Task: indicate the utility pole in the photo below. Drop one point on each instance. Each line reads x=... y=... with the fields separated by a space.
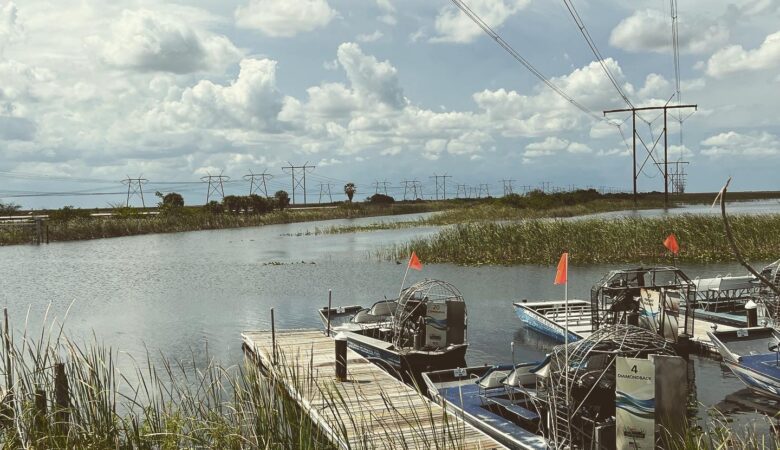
x=508 y=187
x=484 y=188
x=257 y=182
x=135 y=187
x=418 y=192
x=298 y=177
x=216 y=185
x=545 y=186
x=442 y=183
x=381 y=185
x=325 y=190
x=665 y=170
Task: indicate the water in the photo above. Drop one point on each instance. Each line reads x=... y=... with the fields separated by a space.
x=175 y=293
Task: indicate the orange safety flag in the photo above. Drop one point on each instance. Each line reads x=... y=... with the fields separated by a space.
x=563 y=269
x=414 y=262
x=671 y=244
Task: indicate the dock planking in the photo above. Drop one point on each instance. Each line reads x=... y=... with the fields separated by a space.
x=371 y=409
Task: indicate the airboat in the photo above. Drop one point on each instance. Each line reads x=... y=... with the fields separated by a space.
x=753 y=354
x=423 y=330
x=569 y=400
x=649 y=297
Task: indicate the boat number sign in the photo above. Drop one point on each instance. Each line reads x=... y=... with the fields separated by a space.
x=635 y=403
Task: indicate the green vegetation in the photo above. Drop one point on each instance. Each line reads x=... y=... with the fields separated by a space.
x=175 y=405
x=69 y=224
x=593 y=241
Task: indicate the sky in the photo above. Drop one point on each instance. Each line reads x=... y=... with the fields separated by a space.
x=94 y=92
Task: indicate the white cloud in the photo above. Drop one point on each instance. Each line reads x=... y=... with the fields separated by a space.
x=375 y=36
x=251 y=101
x=284 y=18
x=454 y=26
x=370 y=76
x=649 y=30
x=553 y=145
x=10 y=28
x=733 y=143
x=389 y=12
x=735 y=58
x=148 y=41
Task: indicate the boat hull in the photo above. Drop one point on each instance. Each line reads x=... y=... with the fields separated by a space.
x=756 y=381
x=543 y=325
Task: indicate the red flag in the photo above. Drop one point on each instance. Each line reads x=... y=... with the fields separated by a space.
x=671 y=244
x=563 y=269
x=414 y=262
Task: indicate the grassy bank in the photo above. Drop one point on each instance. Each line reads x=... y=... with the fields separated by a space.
x=131 y=222
x=593 y=241
x=176 y=405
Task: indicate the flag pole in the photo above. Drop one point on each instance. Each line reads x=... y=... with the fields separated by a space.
x=566 y=327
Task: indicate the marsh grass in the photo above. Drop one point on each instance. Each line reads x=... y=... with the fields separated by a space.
x=718 y=433
x=184 y=404
x=595 y=241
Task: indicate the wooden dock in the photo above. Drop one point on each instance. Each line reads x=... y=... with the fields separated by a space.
x=371 y=409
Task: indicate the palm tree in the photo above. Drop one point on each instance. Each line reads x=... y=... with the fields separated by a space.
x=350 y=190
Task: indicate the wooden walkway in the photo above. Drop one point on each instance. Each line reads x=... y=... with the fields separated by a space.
x=374 y=409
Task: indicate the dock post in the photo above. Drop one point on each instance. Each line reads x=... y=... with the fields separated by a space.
x=752 y=313
x=38 y=232
x=9 y=377
x=39 y=405
x=61 y=395
x=330 y=300
x=273 y=338
x=341 y=357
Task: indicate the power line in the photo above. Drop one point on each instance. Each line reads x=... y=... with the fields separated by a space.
x=512 y=52
x=592 y=44
x=380 y=185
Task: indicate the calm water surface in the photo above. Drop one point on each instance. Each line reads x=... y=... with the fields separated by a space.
x=175 y=293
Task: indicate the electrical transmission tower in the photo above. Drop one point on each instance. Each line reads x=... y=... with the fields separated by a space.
x=298 y=177
x=545 y=186
x=441 y=184
x=325 y=190
x=381 y=186
x=473 y=192
x=135 y=187
x=414 y=187
x=216 y=185
x=484 y=188
x=508 y=187
x=650 y=150
x=462 y=188
x=678 y=177
x=257 y=182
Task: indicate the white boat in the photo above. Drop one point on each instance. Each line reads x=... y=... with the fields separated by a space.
x=753 y=355
x=550 y=318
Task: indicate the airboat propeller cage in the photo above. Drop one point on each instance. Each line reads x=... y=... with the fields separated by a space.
x=432 y=310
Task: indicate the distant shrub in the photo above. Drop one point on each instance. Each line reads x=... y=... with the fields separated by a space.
x=68 y=213
x=381 y=199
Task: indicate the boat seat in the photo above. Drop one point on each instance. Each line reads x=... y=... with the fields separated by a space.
x=364 y=316
x=519 y=411
x=493 y=379
x=383 y=308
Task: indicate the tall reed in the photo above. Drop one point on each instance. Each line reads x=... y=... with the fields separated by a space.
x=593 y=241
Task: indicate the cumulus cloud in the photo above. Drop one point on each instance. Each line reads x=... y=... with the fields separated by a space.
x=735 y=58
x=370 y=76
x=251 y=101
x=649 y=30
x=284 y=18
x=388 y=9
x=453 y=26
x=144 y=40
x=545 y=111
x=733 y=143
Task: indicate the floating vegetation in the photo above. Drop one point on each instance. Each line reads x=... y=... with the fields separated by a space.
x=596 y=241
